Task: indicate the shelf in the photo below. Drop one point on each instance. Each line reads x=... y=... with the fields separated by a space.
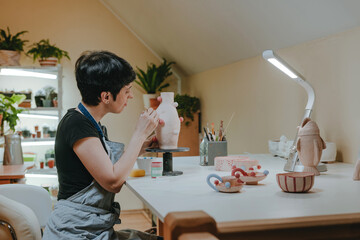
x=33 y=69
x=37 y=139
x=42 y=109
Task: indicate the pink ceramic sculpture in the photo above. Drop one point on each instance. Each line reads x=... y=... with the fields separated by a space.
x=310 y=145
x=357 y=171
x=168 y=134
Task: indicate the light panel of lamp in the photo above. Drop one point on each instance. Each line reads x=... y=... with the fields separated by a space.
x=282 y=67
x=22 y=73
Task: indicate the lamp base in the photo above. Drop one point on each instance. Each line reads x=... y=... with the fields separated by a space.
x=298 y=167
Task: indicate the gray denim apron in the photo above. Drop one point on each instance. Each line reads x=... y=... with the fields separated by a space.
x=91 y=213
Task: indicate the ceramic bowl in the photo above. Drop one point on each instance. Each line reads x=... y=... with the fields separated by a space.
x=145 y=164
x=295 y=182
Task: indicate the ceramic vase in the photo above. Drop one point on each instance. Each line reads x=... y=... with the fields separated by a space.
x=168 y=134
x=310 y=145
x=357 y=171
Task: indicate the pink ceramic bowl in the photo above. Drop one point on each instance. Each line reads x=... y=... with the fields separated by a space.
x=295 y=182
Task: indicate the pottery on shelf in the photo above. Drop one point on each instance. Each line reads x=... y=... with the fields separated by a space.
x=168 y=134
x=249 y=176
x=226 y=184
x=310 y=145
x=357 y=171
x=295 y=182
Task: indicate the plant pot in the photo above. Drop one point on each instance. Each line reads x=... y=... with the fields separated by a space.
x=9 y=58
x=147 y=98
x=154 y=103
x=48 y=62
x=47 y=103
x=38 y=100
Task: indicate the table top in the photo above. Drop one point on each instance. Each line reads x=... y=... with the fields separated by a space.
x=14 y=171
x=334 y=192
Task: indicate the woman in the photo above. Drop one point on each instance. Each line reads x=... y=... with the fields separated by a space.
x=91 y=169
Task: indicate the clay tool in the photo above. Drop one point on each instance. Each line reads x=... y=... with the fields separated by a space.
x=221 y=130
x=227 y=125
x=206 y=134
x=211 y=136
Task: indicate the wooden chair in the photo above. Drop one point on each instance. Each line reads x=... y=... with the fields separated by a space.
x=197 y=225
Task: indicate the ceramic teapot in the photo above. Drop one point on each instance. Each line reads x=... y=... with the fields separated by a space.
x=310 y=145
x=227 y=184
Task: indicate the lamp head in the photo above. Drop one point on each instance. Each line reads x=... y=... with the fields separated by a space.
x=274 y=59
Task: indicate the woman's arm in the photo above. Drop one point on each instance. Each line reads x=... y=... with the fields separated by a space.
x=92 y=154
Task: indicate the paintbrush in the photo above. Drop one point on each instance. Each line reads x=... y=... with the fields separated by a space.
x=227 y=126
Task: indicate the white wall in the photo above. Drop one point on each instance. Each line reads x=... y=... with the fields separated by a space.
x=268 y=104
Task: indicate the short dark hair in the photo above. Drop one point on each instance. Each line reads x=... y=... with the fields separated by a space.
x=101 y=71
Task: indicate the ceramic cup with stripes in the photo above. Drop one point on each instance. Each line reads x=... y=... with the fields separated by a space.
x=295 y=182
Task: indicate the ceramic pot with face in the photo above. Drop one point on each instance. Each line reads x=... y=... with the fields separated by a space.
x=310 y=145
x=168 y=134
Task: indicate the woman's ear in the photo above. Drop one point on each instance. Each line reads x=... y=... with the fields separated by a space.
x=105 y=97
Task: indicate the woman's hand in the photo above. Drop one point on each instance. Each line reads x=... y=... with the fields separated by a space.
x=147 y=122
x=150 y=142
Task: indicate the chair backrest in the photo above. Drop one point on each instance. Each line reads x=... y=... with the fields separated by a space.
x=17 y=218
x=35 y=197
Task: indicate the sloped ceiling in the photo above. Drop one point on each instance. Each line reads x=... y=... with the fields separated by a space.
x=204 y=34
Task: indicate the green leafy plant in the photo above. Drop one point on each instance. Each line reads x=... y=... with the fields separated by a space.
x=11 y=42
x=187 y=106
x=49 y=92
x=43 y=49
x=153 y=79
x=9 y=111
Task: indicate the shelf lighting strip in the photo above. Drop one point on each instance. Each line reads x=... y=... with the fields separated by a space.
x=38 y=143
x=22 y=73
x=38 y=116
x=33 y=175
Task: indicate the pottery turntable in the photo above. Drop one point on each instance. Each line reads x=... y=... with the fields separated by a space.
x=168 y=159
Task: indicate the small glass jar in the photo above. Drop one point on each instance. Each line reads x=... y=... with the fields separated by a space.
x=204 y=152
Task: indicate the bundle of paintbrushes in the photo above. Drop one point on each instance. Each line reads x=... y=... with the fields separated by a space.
x=220 y=135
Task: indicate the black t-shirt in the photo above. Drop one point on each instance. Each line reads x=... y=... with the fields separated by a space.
x=72 y=174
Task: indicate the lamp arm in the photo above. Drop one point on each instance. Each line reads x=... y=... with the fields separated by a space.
x=310 y=93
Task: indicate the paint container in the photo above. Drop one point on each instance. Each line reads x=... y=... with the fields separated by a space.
x=156 y=169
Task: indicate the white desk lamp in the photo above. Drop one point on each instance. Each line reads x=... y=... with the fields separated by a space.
x=288 y=70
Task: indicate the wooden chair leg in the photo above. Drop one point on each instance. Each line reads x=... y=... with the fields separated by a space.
x=177 y=223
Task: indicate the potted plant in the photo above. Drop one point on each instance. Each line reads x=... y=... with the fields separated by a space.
x=152 y=80
x=10 y=47
x=39 y=97
x=9 y=111
x=50 y=94
x=188 y=108
x=47 y=54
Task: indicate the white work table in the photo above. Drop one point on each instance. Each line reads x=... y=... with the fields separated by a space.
x=334 y=192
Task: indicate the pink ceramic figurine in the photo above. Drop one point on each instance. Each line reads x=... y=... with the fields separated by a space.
x=168 y=134
x=310 y=145
x=357 y=170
